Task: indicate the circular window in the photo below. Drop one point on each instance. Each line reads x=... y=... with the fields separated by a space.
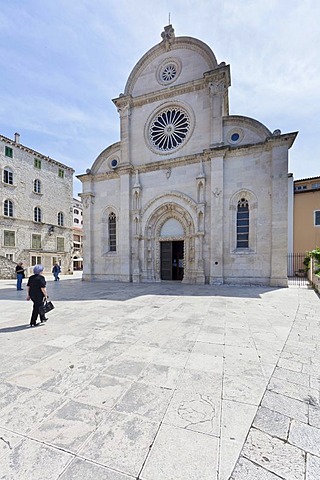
x=235 y=137
x=168 y=71
x=169 y=129
x=114 y=163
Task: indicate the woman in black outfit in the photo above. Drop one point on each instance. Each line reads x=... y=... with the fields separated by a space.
x=37 y=291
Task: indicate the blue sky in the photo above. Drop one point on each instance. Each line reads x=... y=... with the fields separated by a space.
x=62 y=61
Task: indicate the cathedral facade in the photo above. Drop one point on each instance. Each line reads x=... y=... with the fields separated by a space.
x=190 y=192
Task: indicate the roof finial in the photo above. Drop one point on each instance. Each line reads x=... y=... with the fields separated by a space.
x=168 y=36
x=169 y=19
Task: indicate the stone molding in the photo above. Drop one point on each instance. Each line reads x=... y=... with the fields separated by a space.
x=35 y=153
x=179 y=43
x=212 y=78
x=170 y=196
x=152 y=239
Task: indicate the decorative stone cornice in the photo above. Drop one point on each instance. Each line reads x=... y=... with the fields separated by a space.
x=87 y=199
x=35 y=153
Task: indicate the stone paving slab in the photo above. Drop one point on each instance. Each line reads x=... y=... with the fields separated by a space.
x=160 y=381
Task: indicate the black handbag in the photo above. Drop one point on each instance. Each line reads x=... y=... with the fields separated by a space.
x=46 y=307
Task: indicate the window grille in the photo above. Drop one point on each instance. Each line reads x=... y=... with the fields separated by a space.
x=37 y=214
x=243 y=224
x=8 y=208
x=60 y=219
x=8 y=176
x=37 y=186
x=112 y=233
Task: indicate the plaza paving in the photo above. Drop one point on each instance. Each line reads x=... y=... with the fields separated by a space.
x=160 y=381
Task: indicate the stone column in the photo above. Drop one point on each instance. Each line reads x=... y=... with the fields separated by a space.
x=216 y=221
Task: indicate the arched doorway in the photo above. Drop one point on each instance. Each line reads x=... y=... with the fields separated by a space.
x=172 y=250
x=169 y=243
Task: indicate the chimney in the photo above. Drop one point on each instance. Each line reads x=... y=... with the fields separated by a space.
x=17 y=137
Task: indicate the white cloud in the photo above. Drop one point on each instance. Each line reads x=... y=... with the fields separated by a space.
x=62 y=62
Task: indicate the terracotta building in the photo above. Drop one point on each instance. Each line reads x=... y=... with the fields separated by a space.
x=306 y=217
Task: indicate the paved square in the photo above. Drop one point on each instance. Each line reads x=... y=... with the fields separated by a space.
x=160 y=381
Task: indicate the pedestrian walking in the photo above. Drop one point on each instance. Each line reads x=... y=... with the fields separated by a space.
x=20 y=275
x=37 y=292
x=56 y=270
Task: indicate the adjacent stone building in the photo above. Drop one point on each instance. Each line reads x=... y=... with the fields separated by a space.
x=77 y=231
x=36 y=207
x=189 y=192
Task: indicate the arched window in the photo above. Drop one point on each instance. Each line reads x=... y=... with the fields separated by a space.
x=76 y=220
x=37 y=186
x=8 y=208
x=243 y=224
x=8 y=176
x=76 y=212
x=37 y=215
x=60 y=219
x=112 y=220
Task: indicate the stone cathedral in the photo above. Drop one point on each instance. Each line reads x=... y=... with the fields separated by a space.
x=189 y=193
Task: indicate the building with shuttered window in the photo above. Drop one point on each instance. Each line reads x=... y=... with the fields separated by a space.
x=36 y=207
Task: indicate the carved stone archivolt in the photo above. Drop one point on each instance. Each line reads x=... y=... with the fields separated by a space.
x=152 y=235
x=171 y=197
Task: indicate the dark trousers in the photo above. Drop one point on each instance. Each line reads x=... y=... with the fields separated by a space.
x=19 y=281
x=37 y=302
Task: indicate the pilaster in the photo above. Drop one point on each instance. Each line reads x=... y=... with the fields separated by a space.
x=88 y=200
x=216 y=221
x=279 y=216
x=124 y=228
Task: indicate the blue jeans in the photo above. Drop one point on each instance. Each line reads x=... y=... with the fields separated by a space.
x=19 y=281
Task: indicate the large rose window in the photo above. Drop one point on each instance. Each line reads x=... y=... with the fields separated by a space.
x=169 y=129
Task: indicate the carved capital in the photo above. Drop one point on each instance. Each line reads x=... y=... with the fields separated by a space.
x=87 y=199
x=217 y=87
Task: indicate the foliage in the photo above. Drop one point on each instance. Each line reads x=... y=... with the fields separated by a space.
x=315 y=254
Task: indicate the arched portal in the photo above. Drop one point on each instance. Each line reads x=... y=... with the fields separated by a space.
x=169 y=243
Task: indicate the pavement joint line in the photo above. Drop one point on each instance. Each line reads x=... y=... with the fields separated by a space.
x=287 y=312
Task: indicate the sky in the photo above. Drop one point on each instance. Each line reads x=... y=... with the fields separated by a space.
x=62 y=62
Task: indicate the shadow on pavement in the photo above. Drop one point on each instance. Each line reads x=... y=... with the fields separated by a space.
x=75 y=290
x=18 y=328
